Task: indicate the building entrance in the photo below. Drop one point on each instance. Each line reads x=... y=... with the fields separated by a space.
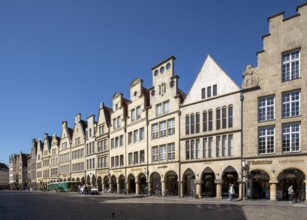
x=208 y=185
x=258 y=186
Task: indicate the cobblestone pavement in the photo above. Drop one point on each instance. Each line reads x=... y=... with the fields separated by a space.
x=50 y=205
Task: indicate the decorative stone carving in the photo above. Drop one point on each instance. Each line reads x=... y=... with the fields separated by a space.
x=162 y=89
x=250 y=77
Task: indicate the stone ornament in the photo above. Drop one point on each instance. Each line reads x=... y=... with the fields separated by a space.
x=162 y=89
x=250 y=77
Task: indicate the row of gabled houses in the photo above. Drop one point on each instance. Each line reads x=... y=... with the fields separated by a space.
x=166 y=142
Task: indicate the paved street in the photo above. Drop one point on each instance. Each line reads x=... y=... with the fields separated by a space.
x=50 y=205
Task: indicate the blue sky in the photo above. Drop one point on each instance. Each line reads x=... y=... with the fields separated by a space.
x=59 y=58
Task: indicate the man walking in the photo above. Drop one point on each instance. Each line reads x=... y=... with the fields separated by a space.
x=290 y=193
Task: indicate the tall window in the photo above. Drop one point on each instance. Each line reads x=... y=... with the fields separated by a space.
x=159 y=109
x=130 y=160
x=266 y=140
x=230 y=116
x=114 y=123
x=210 y=149
x=171 y=126
x=224 y=146
x=155 y=131
x=214 y=90
x=230 y=145
x=162 y=129
x=210 y=120
x=129 y=137
x=135 y=135
x=205 y=146
x=224 y=115
x=133 y=115
x=142 y=135
x=163 y=152
x=138 y=112
x=165 y=107
x=291 y=137
x=171 y=151
x=121 y=160
x=197 y=149
x=192 y=123
x=291 y=65
x=291 y=104
x=118 y=121
x=197 y=122
x=155 y=154
x=205 y=121
x=218 y=118
x=187 y=124
x=266 y=108
x=203 y=93
x=218 y=146
x=112 y=143
x=192 y=149
x=121 y=141
x=136 y=157
x=187 y=150
x=142 y=156
x=209 y=91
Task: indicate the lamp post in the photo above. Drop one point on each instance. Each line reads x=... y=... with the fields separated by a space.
x=147 y=179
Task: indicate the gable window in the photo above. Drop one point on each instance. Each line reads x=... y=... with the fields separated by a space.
x=214 y=90
x=121 y=140
x=291 y=65
x=192 y=123
x=290 y=104
x=230 y=116
x=205 y=150
x=266 y=107
x=209 y=91
x=138 y=112
x=197 y=150
x=118 y=122
x=210 y=149
x=136 y=157
x=159 y=109
x=130 y=160
x=187 y=124
x=266 y=140
x=133 y=115
x=192 y=149
x=203 y=93
x=291 y=137
x=224 y=147
x=142 y=156
x=163 y=152
x=165 y=107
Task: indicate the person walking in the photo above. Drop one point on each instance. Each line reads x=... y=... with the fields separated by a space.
x=231 y=192
x=290 y=193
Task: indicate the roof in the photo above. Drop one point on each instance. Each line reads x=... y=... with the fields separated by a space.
x=3 y=167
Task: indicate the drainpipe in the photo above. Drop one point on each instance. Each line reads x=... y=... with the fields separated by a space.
x=242 y=159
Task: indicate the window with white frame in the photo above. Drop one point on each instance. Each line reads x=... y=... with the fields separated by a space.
x=230 y=116
x=224 y=146
x=171 y=151
x=130 y=160
x=159 y=109
x=162 y=129
x=266 y=140
x=171 y=126
x=224 y=119
x=230 y=145
x=129 y=137
x=192 y=149
x=192 y=123
x=162 y=153
x=205 y=146
x=155 y=131
x=291 y=65
x=135 y=136
x=187 y=150
x=187 y=124
x=197 y=150
x=133 y=115
x=218 y=146
x=118 y=122
x=291 y=137
x=266 y=108
x=197 y=122
x=218 y=118
x=138 y=112
x=142 y=134
x=155 y=154
x=210 y=120
x=165 y=107
x=205 y=123
x=291 y=104
x=210 y=149
x=136 y=157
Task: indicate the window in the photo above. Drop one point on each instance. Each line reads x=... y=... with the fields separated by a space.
x=118 y=122
x=218 y=146
x=142 y=156
x=163 y=153
x=116 y=142
x=171 y=151
x=112 y=161
x=230 y=145
x=266 y=140
x=171 y=126
x=187 y=150
x=114 y=123
x=121 y=160
x=130 y=159
x=159 y=109
x=192 y=149
x=210 y=147
x=214 y=90
x=138 y=112
x=209 y=91
x=197 y=150
x=142 y=135
x=205 y=147
x=197 y=122
x=291 y=65
x=155 y=154
x=155 y=131
x=205 y=121
x=112 y=143
x=291 y=104
x=90 y=132
x=224 y=115
x=165 y=107
x=116 y=161
x=266 y=108
x=224 y=147
x=203 y=93
x=291 y=137
x=187 y=124
x=136 y=157
x=129 y=137
x=133 y=115
x=210 y=120
x=230 y=116
x=121 y=140
x=101 y=129
x=162 y=129
x=64 y=145
x=218 y=118
x=135 y=136
x=192 y=123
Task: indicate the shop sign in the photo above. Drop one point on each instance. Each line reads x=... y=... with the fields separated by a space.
x=290 y=175
x=137 y=169
x=259 y=162
x=292 y=161
x=161 y=167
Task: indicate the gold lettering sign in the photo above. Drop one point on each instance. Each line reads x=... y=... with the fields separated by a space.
x=259 y=162
x=292 y=161
x=138 y=169
x=160 y=167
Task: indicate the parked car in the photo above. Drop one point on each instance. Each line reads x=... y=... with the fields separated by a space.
x=93 y=191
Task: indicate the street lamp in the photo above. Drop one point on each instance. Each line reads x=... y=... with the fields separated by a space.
x=244 y=175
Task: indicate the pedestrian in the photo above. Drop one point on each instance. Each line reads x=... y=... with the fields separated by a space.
x=231 y=192
x=290 y=193
x=79 y=189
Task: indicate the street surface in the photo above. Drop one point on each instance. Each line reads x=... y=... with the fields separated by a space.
x=28 y=205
